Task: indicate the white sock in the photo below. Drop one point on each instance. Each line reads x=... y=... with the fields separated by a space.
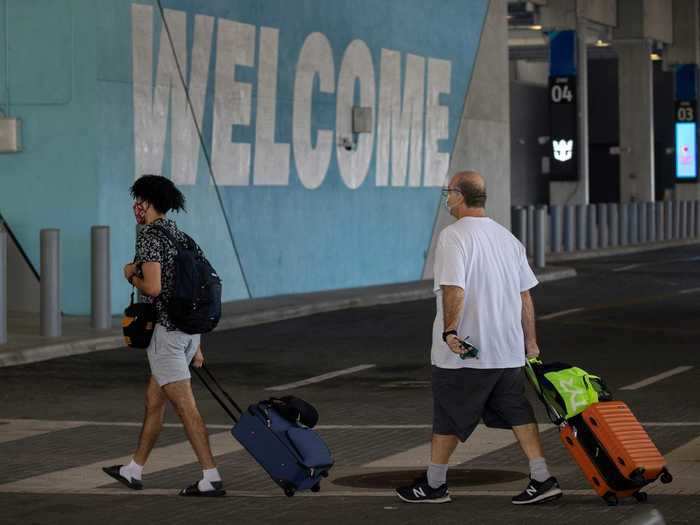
x=208 y=475
x=437 y=475
x=538 y=470
x=131 y=471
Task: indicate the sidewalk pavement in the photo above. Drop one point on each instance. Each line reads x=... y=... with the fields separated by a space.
x=25 y=346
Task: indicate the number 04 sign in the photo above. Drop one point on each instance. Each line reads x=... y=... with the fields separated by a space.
x=562 y=111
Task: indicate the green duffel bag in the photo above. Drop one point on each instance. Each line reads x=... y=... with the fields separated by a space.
x=569 y=390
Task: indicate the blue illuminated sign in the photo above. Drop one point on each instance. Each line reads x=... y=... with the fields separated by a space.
x=686 y=150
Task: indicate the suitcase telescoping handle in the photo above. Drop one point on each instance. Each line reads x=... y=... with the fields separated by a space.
x=552 y=412
x=215 y=395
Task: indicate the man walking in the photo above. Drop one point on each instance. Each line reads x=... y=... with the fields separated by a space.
x=170 y=351
x=482 y=283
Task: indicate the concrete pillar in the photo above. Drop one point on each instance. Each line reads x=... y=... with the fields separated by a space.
x=635 y=75
x=50 y=283
x=569 y=228
x=603 y=226
x=583 y=191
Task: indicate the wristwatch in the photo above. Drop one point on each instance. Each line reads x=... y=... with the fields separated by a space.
x=449 y=332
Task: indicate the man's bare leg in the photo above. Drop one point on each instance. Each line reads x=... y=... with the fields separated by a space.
x=529 y=438
x=152 y=421
x=180 y=395
x=442 y=447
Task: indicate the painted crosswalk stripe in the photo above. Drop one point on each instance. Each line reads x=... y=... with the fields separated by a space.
x=482 y=441
x=322 y=377
x=655 y=379
x=91 y=476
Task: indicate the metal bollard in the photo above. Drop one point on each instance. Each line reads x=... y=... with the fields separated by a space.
x=603 y=228
x=592 y=227
x=651 y=222
x=614 y=223
x=691 y=219
x=3 y=287
x=569 y=228
x=696 y=205
x=634 y=223
x=556 y=228
x=668 y=220
x=50 y=285
x=676 y=221
x=581 y=225
x=540 y=236
x=519 y=218
x=624 y=224
x=660 y=221
x=683 y=220
x=100 y=297
x=530 y=244
x=642 y=216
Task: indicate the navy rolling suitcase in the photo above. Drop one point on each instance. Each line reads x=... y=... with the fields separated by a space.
x=294 y=456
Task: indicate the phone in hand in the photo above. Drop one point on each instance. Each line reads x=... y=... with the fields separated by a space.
x=469 y=351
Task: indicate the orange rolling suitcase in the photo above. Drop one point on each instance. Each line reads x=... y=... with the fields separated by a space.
x=616 y=455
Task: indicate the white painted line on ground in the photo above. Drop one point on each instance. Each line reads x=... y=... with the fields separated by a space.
x=629 y=267
x=659 y=377
x=689 y=290
x=363 y=493
x=62 y=425
x=91 y=476
x=322 y=377
x=24 y=428
x=560 y=314
x=483 y=441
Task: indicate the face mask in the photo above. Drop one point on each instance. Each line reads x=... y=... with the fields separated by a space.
x=139 y=213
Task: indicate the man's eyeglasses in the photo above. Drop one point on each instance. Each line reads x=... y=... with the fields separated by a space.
x=446 y=191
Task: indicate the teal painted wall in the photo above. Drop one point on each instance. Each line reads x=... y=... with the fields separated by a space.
x=72 y=67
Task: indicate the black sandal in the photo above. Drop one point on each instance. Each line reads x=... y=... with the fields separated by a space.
x=193 y=490
x=113 y=471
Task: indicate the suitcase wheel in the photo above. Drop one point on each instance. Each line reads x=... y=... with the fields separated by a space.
x=316 y=488
x=610 y=499
x=666 y=477
x=641 y=497
x=289 y=492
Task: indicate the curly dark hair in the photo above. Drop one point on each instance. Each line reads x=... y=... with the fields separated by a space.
x=158 y=191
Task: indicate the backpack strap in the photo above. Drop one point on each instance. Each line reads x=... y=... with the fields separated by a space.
x=177 y=244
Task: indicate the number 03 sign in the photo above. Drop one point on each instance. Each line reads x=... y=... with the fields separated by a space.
x=686 y=141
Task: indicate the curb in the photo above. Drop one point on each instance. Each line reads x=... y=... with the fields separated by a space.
x=556 y=258
x=422 y=290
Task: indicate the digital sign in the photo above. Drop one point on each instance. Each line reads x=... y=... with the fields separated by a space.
x=686 y=151
x=563 y=128
x=686 y=141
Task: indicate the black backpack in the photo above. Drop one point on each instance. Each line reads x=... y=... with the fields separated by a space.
x=195 y=306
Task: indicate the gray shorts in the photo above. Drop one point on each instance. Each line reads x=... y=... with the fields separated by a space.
x=170 y=354
x=463 y=396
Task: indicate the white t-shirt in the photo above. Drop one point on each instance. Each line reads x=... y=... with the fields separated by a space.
x=490 y=264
